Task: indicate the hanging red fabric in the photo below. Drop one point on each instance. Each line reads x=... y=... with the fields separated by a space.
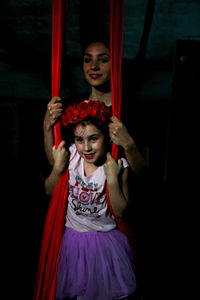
x=53 y=230
x=57 y=39
x=54 y=224
x=116 y=51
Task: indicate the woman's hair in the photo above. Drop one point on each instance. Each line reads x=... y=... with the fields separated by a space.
x=95 y=39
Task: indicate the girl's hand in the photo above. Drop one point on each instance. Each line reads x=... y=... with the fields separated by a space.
x=54 y=111
x=112 y=169
x=119 y=134
x=61 y=158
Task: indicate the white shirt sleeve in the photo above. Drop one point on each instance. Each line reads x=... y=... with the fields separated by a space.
x=124 y=162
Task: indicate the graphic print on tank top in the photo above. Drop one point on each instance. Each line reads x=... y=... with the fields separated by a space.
x=85 y=198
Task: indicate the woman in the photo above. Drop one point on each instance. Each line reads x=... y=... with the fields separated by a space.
x=96 y=69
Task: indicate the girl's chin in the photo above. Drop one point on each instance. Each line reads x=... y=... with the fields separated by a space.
x=94 y=160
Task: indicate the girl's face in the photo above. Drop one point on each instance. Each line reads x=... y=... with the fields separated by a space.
x=90 y=143
x=96 y=64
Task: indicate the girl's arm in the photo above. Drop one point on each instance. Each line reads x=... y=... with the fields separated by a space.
x=53 y=112
x=120 y=136
x=117 y=180
x=61 y=158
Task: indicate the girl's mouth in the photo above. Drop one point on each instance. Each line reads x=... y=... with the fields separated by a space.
x=89 y=156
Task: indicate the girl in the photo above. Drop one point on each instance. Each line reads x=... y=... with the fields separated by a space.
x=95 y=261
x=96 y=70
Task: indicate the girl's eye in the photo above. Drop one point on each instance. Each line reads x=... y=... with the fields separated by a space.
x=78 y=139
x=93 y=138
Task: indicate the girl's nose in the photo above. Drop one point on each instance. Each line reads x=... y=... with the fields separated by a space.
x=87 y=146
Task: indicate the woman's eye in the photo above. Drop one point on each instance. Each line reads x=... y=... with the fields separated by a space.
x=87 y=60
x=104 y=60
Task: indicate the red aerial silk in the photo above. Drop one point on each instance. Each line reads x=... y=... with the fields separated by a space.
x=116 y=51
x=57 y=38
x=53 y=230
x=54 y=225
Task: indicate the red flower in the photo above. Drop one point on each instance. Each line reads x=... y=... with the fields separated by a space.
x=83 y=105
x=67 y=116
x=78 y=112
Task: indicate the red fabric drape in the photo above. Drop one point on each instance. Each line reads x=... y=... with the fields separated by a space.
x=116 y=51
x=53 y=230
x=54 y=224
x=57 y=37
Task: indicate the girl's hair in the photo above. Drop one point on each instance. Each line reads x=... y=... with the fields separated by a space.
x=103 y=127
x=68 y=132
x=85 y=112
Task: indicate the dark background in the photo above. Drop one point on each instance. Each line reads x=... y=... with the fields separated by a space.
x=161 y=65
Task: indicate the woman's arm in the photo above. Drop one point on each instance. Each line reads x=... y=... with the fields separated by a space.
x=120 y=136
x=53 y=113
x=117 y=180
x=61 y=158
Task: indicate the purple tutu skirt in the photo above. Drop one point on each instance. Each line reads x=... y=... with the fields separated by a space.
x=95 y=266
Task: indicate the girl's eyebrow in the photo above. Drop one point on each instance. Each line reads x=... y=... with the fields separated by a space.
x=80 y=136
x=95 y=134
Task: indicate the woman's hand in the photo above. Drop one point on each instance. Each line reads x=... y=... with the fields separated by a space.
x=54 y=111
x=119 y=134
x=61 y=158
x=112 y=168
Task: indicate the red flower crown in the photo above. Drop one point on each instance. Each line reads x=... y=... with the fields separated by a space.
x=76 y=113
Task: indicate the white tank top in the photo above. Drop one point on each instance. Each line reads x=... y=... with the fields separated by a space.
x=87 y=205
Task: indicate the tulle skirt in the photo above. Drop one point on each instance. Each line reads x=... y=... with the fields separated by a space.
x=95 y=266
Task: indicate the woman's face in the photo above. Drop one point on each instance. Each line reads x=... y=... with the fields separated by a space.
x=96 y=64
